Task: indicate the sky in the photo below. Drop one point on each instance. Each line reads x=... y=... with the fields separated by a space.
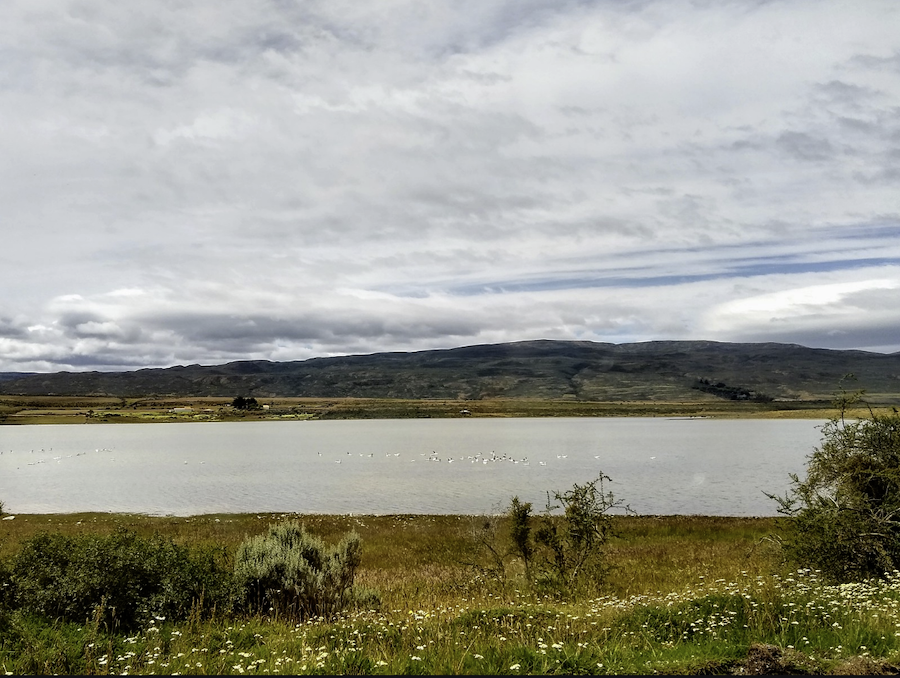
x=205 y=181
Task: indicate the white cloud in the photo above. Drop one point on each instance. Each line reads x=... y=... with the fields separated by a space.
x=211 y=181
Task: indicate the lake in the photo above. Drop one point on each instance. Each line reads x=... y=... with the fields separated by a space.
x=436 y=466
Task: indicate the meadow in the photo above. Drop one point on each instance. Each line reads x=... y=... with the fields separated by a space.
x=686 y=594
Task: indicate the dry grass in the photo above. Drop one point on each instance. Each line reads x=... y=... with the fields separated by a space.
x=417 y=560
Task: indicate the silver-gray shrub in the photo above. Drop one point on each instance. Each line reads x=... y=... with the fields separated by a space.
x=293 y=574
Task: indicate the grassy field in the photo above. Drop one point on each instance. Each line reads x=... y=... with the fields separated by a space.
x=685 y=595
x=104 y=410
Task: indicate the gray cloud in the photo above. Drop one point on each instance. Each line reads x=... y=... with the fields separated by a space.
x=270 y=179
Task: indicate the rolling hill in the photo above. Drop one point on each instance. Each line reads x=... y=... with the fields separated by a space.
x=656 y=370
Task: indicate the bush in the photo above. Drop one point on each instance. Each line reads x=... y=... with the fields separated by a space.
x=293 y=574
x=560 y=552
x=6 y=597
x=571 y=547
x=844 y=517
x=122 y=578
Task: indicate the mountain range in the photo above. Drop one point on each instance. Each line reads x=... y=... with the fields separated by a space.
x=567 y=370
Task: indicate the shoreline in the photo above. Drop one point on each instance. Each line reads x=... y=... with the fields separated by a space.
x=29 y=410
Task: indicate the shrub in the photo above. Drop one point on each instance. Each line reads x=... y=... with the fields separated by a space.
x=558 y=551
x=6 y=597
x=293 y=574
x=844 y=517
x=520 y=532
x=571 y=546
x=121 y=578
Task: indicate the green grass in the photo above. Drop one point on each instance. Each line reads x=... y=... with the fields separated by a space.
x=686 y=594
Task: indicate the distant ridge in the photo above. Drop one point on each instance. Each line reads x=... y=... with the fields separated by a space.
x=6 y=376
x=570 y=370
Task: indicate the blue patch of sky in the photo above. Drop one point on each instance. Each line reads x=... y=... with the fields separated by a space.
x=824 y=250
x=750 y=269
x=864 y=236
x=875 y=231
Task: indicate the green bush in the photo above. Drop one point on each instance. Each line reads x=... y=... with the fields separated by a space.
x=570 y=548
x=293 y=574
x=844 y=517
x=123 y=578
x=558 y=552
x=7 y=596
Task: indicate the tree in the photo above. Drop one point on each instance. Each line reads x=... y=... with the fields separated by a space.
x=844 y=517
x=242 y=403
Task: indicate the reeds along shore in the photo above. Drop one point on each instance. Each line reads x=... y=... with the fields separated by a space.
x=687 y=594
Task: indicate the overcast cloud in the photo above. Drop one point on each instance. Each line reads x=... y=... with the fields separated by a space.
x=214 y=180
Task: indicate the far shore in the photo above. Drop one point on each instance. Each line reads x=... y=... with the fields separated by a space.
x=112 y=410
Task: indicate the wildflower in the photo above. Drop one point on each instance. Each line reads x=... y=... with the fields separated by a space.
x=515 y=667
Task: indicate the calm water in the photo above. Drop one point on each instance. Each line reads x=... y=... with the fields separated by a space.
x=658 y=466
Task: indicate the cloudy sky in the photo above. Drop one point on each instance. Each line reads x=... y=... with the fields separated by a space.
x=211 y=180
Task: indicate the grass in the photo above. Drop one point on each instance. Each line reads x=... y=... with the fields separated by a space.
x=106 y=410
x=687 y=594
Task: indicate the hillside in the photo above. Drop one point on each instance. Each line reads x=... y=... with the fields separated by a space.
x=658 y=370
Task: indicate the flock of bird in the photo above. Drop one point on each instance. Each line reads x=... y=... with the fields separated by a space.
x=57 y=459
x=478 y=458
x=433 y=456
